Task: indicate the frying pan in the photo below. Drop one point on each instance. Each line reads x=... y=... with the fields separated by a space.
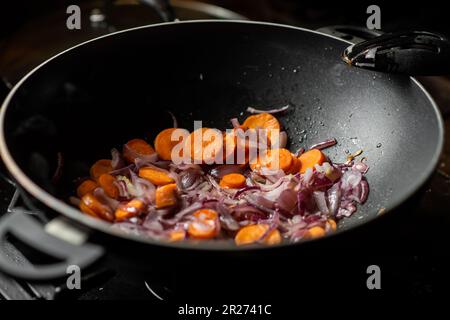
x=106 y=91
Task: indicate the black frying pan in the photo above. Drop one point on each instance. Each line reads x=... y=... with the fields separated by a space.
x=106 y=91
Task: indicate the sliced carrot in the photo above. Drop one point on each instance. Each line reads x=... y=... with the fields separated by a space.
x=204 y=225
x=129 y=210
x=310 y=158
x=269 y=160
x=274 y=237
x=155 y=176
x=164 y=144
x=332 y=224
x=261 y=121
x=85 y=187
x=315 y=232
x=233 y=181
x=237 y=147
x=204 y=147
x=84 y=208
x=205 y=214
x=166 y=196
x=135 y=148
x=177 y=235
x=252 y=233
x=92 y=206
x=107 y=182
x=284 y=159
x=100 y=167
x=296 y=165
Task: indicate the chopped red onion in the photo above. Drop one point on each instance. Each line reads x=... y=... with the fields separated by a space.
x=123 y=171
x=271 y=111
x=190 y=179
x=235 y=123
x=143 y=188
x=334 y=198
x=287 y=200
x=244 y=190
x=319 y=197
x=299 y=152
x=361 y=167
x=174 y=119
x=100 y=194
x=364 y=191
x=324 y=144
x=117 y=161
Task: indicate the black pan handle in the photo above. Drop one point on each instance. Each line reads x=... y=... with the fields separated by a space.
x=21 y=227
x=414 y=53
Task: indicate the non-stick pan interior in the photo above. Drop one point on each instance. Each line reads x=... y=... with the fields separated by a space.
x=103 y=93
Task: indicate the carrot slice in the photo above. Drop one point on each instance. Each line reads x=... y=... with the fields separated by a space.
x=84 y=208
x=177 y=235
x=274 y=237
x=236 y=149
x=204 y=147
x=233 y=181
x=107 y=182
x=155 y=176
x=100 y=167
x=91 y=205
x=261 y=121
x=135 y=148
x=315 y=232
x=85 y=187
x=164 y=144
x=166 y=196
x=204 y=225
x=252 y=233
x=310 y=158
x=269 y=160
x=332 y=224
x=296 y=165
x=129 y=210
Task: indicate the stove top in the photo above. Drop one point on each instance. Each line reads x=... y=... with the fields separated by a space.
x=412 y=246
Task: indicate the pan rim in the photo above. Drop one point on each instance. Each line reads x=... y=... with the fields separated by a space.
x=66 y=210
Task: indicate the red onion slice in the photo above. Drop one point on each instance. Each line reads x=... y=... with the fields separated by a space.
x=319 y=197
x=174 y=119
x=271 y=111
x=235 y=123
x=324 y=144
x=287 y=200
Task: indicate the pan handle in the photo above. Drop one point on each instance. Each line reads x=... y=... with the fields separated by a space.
x=413 y=53
x=25 y=230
